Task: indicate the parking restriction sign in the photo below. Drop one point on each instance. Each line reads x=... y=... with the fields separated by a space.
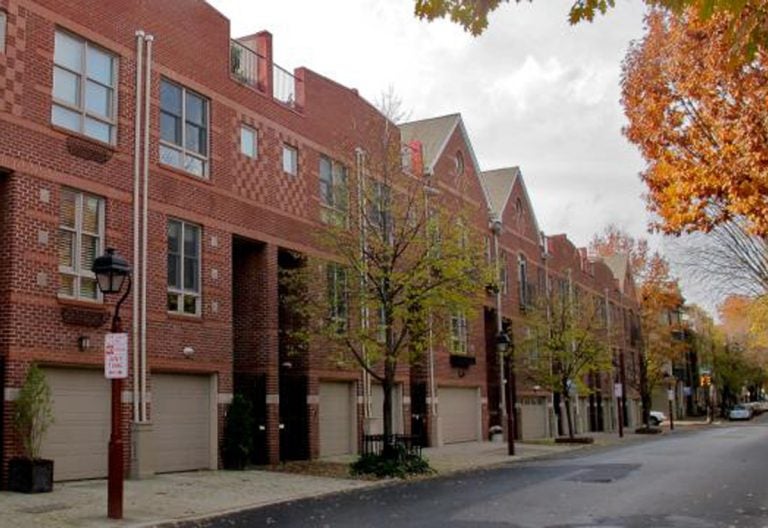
x=116 y=356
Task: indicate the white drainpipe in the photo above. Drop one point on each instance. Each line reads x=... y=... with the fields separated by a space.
x=496 y=227
x=136 y=198
x=145 y=220
x=364 y=315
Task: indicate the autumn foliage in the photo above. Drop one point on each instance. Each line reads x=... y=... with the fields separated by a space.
x=747 y=31
x=699 y=120
x=659 y=297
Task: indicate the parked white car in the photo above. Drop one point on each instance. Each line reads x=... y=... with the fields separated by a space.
x=740 y=412
x=657 y=418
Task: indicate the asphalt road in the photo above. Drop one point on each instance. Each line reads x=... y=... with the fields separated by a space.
x=714 y=477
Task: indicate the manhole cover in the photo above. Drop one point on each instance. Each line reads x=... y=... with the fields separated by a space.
x=603 y=473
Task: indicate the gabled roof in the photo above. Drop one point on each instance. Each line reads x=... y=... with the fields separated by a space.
x=497 y=185
x=434 y=134
x=619 y=265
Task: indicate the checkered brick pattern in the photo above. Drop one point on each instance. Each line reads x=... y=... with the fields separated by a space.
x=11 y=61
x=262 y=179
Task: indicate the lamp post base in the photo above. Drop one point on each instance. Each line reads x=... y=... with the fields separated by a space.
x=115 y=474
x=142 y=460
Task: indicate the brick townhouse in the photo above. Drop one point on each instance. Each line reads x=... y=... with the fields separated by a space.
x=145 y=128
x=609 y=280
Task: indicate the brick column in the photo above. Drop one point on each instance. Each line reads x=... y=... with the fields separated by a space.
x=266 y=329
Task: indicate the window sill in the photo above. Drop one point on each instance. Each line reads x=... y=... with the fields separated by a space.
x=181 y=172
x=88 y=139
x=81 y=303
x=83 y=313
x=462 y=361
x=187 y=318
x=86 y=147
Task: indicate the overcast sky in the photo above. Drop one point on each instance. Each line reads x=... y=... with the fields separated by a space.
x=533 y=91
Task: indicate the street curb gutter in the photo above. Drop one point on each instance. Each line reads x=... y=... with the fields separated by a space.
x=368 y=485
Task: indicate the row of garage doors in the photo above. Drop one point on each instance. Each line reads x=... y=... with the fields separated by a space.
x=183 y=430
x=183 y=435
x=459 y=410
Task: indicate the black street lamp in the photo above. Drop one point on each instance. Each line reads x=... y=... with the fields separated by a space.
x=111 y=272
x=502 y=346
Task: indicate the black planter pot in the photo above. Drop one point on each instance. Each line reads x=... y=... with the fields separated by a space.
x=30 y=476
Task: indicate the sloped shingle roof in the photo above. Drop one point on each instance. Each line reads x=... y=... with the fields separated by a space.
x=618 y=264
x=498 y=185
x=433 y=134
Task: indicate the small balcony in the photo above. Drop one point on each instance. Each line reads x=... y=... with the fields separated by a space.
x=254 y=70
x=244 y=64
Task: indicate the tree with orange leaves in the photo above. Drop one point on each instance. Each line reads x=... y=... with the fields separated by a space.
x=699 y=120
x=660 y=299
x=747 y=31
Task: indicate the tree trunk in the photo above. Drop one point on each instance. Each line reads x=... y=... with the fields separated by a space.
x=645 y=392
x=568 y=415
x=387 y=385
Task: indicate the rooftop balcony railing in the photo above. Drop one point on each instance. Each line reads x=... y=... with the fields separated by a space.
x=283 y=86
x=250 y=68
x=244 y=64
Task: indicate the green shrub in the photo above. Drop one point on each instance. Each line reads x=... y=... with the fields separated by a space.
x=398 y=462
x=33 y=411
x=238 y=433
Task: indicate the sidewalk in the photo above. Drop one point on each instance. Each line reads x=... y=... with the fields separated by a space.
x=183 y=496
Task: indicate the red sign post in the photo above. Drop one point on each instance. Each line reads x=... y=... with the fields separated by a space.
x=115 y=369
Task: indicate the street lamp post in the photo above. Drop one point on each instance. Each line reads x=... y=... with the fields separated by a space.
x=111 y=272
x=502 y=346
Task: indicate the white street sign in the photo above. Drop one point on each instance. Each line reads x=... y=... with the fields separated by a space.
x=618 y=390
x=671 y=395
x=116 y=356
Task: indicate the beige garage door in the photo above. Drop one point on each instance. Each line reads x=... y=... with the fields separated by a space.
x=377 y=409
x=77 y=440
x=181 y=413
x=459 y=414
x=337 y=419
x=534 y=418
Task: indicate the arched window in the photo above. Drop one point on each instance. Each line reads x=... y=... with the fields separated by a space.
x=459 y=162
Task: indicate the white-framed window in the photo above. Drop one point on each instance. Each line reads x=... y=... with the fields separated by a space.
x=81 y=240
x=459 y=334
x=459 y=163
x=334 y=193
x=183 y=128
x=522 y=279
x=380 y=206
x=503 y=272
x=3 y=30
x=249 y=142
x=290 y=159
x=84 y=82
x=183 y=267
x=338 y=296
